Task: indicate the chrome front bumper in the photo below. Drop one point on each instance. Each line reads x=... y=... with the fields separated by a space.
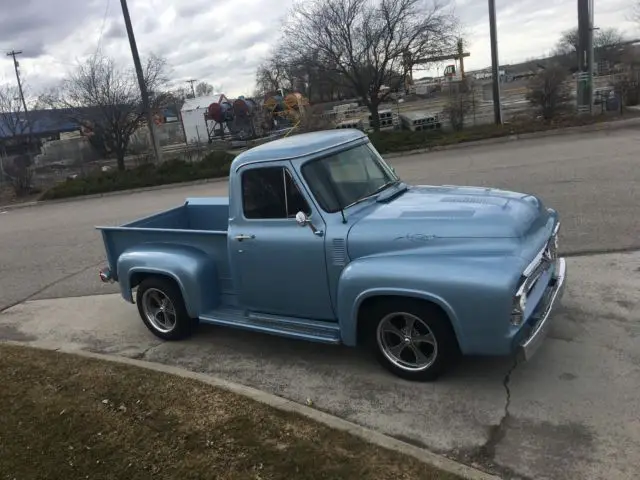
x=541 y=325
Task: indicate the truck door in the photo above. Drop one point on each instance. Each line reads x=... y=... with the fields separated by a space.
x=278 y=267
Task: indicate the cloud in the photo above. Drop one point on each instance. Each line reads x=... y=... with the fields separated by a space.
x=531 y=28
x=223 y=41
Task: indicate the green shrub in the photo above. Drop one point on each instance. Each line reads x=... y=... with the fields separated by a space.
x=213 y=165
x=404 y=140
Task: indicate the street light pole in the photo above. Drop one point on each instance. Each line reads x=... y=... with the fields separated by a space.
x=141 y=81
x=495 y=64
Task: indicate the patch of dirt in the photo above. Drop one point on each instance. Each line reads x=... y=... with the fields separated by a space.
x=70 y=417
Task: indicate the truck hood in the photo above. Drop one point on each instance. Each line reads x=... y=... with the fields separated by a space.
x=425 y=212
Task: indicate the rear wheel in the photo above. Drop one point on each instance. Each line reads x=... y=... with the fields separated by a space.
x=162 y=309
x=413 y=340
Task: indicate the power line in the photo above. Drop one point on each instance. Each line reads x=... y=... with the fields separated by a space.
x=104 y=21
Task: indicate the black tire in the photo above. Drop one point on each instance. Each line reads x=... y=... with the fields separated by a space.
x=445 y=352
x=183 y=326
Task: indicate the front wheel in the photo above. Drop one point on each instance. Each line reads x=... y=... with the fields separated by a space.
x=162 y=309
x=413 y=340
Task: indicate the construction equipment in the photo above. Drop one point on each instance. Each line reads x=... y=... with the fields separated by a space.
x=246 y=118
x=450 y=70
x=285 y=110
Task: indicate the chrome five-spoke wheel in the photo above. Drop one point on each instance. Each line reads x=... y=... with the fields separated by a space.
x=159 y=310
x=162 y=308
x=407 y=341
x=411 y=338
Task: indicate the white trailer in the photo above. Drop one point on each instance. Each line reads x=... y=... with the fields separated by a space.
x=193 y=121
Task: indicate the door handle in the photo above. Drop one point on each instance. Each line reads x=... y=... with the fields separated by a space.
x=242 y=236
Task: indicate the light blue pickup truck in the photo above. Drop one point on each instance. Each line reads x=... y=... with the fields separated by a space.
x=320 y=240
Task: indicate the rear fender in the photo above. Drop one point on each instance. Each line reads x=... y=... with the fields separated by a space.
x=192 y=269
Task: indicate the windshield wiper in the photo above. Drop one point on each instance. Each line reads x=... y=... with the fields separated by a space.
x=385 y=186
x=375 y=192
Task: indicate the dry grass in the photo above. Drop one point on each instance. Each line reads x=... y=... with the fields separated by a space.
x=67 y=417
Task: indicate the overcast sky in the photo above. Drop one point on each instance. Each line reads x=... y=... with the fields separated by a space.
x=222 y=41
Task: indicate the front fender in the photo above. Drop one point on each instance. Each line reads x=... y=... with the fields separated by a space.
x=192 y=269
x=475 y=293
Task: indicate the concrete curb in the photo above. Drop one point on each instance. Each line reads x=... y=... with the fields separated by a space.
x=438 y=461
x=597 y=127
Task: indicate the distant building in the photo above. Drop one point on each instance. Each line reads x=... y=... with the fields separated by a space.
x=42 y=125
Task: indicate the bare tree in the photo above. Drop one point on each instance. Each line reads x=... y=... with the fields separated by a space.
x=549 y=91
x=277 y=72
x=459 y=103
x=106 y=101
x=627 y=83
x=568 y=43
x=365 y=41
x=203 y=89
x=14 y=128
x=13 y=121
x=172 y=98
x=606 y=44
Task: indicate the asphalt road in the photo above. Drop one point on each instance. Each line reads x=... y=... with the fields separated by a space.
x=593 y=180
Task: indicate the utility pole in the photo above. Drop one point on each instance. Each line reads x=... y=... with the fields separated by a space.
x=590 y=46
x=141 y=81
x=584 y=88
x=495 y=65
x=193 y=91
x=13 y=54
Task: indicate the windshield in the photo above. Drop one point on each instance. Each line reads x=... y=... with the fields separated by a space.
x=344 y=178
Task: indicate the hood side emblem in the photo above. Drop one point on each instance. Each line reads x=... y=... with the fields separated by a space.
x=416 y=237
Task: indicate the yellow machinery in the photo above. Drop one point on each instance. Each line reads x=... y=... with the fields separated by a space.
x=285 y=109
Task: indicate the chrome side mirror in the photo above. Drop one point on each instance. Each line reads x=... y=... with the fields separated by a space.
x=304 y=221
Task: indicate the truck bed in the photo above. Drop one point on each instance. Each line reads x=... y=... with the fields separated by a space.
x=201 y=223
x=205 y=214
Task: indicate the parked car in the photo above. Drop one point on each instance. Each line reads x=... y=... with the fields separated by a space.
x=320 y=240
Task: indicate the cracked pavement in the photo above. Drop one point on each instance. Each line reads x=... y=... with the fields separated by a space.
x=571 y=412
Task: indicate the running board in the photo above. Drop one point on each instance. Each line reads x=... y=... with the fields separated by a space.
x=312 y=330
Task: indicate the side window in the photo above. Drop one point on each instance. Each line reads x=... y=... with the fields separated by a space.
x=270 y=192
x=295 y=200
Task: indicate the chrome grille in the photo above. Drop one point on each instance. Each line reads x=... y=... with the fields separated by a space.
x=541 y=263
x=551 y=251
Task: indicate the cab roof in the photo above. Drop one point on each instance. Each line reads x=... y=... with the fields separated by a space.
x=297 y=146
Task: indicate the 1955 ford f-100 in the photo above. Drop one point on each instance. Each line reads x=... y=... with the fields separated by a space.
x=320 y=240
